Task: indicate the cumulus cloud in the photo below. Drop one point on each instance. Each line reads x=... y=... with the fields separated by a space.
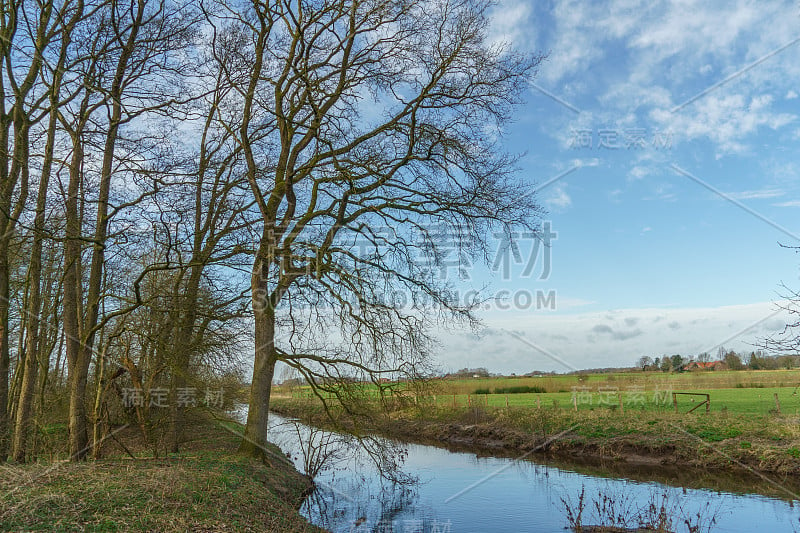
x=510 y=24
x=641 y=60
x=725 y=119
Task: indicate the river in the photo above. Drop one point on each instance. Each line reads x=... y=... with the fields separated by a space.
x=457 y=492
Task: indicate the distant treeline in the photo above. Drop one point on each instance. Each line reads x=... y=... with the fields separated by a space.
x=725 y=360
x=511 y=390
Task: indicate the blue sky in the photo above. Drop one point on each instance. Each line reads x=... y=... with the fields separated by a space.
x=675 y=128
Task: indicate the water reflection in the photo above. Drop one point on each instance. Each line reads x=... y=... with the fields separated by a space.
x=461 y=492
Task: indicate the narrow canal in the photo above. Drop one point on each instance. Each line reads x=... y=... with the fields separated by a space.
x=459 y=492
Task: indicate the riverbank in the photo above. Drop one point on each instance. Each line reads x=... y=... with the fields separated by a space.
x=744 y=445
x=206 y=487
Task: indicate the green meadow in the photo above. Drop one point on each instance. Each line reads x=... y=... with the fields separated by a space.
x=734 y=392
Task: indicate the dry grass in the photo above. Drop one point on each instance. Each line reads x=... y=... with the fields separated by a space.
x=697 y=380
x=618 y=512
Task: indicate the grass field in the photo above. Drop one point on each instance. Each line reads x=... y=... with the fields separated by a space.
x=733 y=401
x=734 y=392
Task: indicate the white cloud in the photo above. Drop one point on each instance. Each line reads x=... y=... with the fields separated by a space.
x=791 y=95
x=639 y=58
x=591 y=162
x=574 y=49
x=756 y=195
x=510 y=24
x=727 y=120
x=790 y=203
x=638 y=172
x=559 y=199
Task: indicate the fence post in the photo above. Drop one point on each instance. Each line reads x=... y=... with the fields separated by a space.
x=538 y=402
x=575 y=403
x=675 y=401
x=506 y=400
x=621 y=407
x=777 y=403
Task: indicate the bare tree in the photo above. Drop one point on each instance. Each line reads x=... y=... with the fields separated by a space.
x=210 y=234
x=365 y=127
x=787 y=341
x=65 y=18
x=27 y=32
x=733 y=361
x=93 y=96
x=132 y=60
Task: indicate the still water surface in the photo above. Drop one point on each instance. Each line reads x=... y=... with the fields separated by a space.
x=461 y=492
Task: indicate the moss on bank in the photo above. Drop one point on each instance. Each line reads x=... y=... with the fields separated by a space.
x=205 y=488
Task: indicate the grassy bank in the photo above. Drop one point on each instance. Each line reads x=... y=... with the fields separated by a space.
x=205 y=488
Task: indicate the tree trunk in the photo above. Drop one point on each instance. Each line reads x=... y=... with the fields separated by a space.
x=30 y=360
x=34 y=305
x=176 y=414
x=78 y=438
x=255 y=433
x=98 y=425
x=183 y=344
x=4 y=354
